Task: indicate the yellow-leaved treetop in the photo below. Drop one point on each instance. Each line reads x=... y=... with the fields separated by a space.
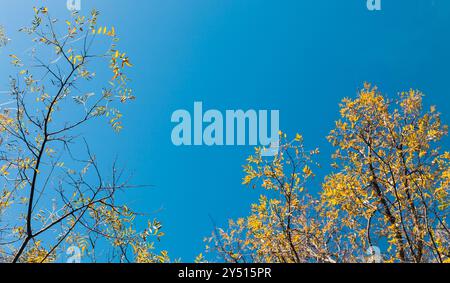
x=54 y=198
x=389 y=192
x=392 y=186
x=284 y=226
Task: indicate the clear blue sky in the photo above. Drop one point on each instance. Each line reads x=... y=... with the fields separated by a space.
x=300 y=57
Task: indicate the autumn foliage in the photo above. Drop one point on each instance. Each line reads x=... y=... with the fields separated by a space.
x=389 y=189
x=53 y=194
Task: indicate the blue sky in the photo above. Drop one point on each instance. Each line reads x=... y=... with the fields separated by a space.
x=300 y=57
